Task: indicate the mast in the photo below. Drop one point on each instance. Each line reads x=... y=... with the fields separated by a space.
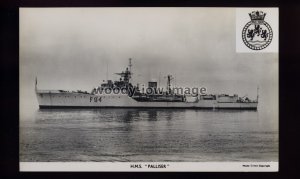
x=130 y=65
x=129 y=72
x=169 y=83
x=175 y=80
x=106 y=71
x=126 y=75
x=35 y=86
x=159 y=79
x=257 y=93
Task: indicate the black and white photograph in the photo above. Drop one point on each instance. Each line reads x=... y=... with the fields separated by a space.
x=148 y=89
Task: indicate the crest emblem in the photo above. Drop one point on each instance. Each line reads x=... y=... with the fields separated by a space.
x=257 y=34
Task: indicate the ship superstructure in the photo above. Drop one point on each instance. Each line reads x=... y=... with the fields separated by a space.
x=122 y=93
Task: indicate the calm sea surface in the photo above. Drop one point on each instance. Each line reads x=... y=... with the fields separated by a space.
x=124 y=135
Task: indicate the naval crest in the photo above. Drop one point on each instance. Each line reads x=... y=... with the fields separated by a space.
x=257 y=34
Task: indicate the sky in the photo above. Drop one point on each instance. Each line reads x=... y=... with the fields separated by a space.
x=71 y=48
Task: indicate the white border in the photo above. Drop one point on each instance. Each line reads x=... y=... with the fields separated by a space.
x=170 y=166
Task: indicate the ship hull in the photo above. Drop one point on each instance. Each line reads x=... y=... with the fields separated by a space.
x=56 y=99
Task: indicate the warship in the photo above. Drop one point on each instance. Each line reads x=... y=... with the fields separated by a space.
x=123 y=94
